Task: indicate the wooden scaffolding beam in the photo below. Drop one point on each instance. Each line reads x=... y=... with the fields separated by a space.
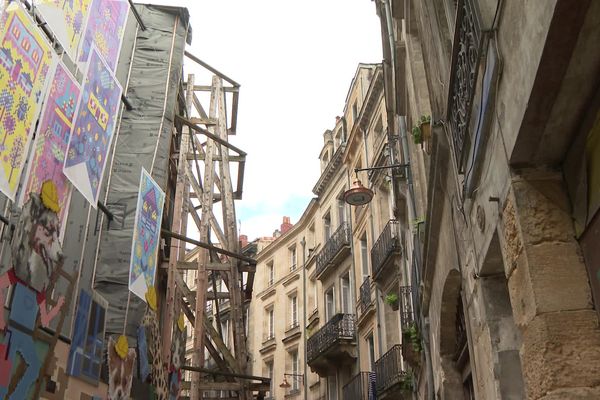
x=204 y=175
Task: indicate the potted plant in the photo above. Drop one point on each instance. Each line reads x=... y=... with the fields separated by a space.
x=421 y=132
x=411 y=345
x=392 y=300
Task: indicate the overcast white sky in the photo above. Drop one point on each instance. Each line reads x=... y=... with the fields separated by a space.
x=295 y=61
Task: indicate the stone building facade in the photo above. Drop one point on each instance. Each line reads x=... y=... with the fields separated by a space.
x=505 y=272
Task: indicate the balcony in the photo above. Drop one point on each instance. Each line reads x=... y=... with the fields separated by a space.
x=335 y=250
x=365 y=300
x=384 y=250
x=466 y=55
x=332 y=345
x=392 y=382
x=407 y=315
x=358 y=387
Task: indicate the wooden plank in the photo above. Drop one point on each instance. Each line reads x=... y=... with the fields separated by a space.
x=230 y=228
x=219 y=295
x=211 y=69
x=216 y=338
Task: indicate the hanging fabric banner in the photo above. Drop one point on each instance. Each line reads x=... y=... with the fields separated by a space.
x=67 y=20
x=92 y=131
x=105 y=28
x=50 y=144
x=146 y=235
x=26 y=63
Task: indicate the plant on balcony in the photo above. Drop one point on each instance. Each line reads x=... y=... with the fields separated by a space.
x=407 y=382
x=422 y=130
x=393 y=300
x=411 y=345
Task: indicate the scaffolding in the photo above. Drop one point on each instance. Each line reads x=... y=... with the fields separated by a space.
x=203 y=158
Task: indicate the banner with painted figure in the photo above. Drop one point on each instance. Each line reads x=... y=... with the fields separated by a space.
x=146 y=236
x=50 y=144
x=26 y=64
x=105 y=28
x=67 y=20
x=92 y=131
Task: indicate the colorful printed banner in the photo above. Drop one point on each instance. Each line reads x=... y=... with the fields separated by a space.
x=50 y=144
x=92 y=131
x=105 y=27
x=26 y=63
x=146 y=235
x=67 y=20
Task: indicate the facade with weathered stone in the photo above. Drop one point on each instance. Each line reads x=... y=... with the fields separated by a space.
x=507 y=276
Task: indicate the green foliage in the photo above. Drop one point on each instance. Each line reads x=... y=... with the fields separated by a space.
x=407 y=382
x=391 y=298
x=417 y=134
x=414 y=337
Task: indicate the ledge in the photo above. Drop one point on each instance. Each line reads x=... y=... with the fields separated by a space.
x=268 y=345
x=292 y=334
x=268 y=293
x=294 y=277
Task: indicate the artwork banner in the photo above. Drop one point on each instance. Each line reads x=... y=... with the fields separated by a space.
x=26 y=64
x=50 y=144
x=146 y=235
x=93 y=128
x=67 y=20
x=104 y=30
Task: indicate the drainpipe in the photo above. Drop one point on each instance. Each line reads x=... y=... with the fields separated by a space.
x=303 y=244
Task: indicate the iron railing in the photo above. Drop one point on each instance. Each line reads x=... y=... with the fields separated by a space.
x=385 y=245
x=389 y=369
x=359 y=386
x=407 y=315
x=340 y=326
x=339 y=239
x=463 y=75
x=365 y=300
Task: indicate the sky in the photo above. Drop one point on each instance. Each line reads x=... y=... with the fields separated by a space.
x=295 y=61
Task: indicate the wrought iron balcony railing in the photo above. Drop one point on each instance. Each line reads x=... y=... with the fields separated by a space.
x=358 y=387
x=407 y=315
x=341 y=326
x=385 y=245
x=339 y=239
x=463 y=75
x=389 y=369
x=365 y=300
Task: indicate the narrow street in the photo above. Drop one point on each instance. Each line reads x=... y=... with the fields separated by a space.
x=320 y=200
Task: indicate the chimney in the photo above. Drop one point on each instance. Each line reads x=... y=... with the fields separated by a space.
x=286 y=225
x=243 y=241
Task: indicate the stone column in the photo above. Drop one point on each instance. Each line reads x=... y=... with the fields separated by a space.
x=549 y=290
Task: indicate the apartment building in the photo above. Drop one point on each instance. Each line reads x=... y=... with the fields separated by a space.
x=352 y=261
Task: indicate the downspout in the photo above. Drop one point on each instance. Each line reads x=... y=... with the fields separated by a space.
x=303 y=244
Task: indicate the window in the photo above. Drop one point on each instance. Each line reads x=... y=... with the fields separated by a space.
x=225 y=331
x=332 y=388
x=354 y=112
x=295 y=370
x=293 y=258
x=341 y=209
x=293 y=311
x=329 y=304
x=270 y=273
x=270 y=324
x=364 y=257
x=345 y=298
x=371 y=346
x=327 y=226
x=85 y=355
x=269 y=368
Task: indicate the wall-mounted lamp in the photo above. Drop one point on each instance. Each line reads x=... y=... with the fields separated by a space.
x=358 y=195
x=285 y=384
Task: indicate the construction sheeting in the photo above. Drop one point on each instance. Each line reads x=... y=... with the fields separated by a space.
x=143 y=141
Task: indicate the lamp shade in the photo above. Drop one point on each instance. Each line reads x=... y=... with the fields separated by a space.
x=358 y=195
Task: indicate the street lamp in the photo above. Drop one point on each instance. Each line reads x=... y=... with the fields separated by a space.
x=358 y=195
x=286 y=385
